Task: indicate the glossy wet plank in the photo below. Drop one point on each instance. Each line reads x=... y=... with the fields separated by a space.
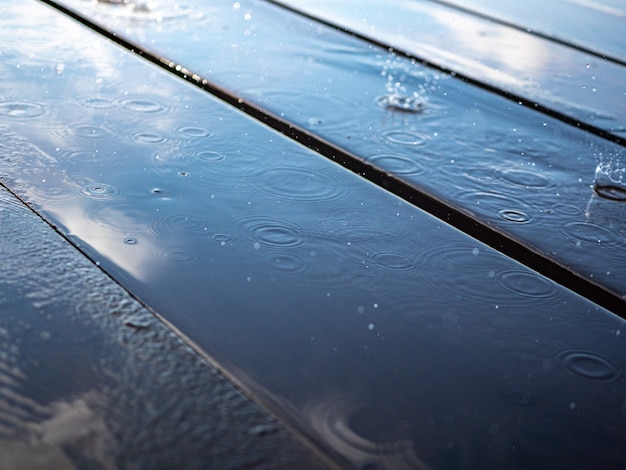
x=387 y=336
x=566 y=80
x=520 y=171
x=91 y=379
x=594 y=25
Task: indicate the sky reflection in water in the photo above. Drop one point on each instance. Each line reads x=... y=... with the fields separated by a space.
x=383 y=333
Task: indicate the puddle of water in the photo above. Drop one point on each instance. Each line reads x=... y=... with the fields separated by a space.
x=542 y=71
x=602 y=33
x=480 y=153
x=389 y=337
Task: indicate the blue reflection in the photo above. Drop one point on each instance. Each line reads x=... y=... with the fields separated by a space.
x=384 y=335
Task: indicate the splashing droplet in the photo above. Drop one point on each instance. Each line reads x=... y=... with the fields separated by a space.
x=411 y=104
x=610 y=183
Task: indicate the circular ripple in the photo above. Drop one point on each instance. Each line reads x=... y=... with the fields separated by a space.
x=289 y=263
x=404 y=137
x=525 y=178
x=96 y=102
x=222 y=238
x=179 y=223
x=297 y=184
x=178 y=256
x=393 y=261
x=589 y=365
x=511 y=215
x=87 y=159
x=592 y=234
x=357 y=225
x=397 y=164
x=482 y=175
x=21 y=109
x=142 y=105
x=465 y=255
x=486 y=203
x=193 y=132
x=271 y=231
x=147 y=137
x=567 y=209
x=99 y=191
x=526 y=284
x=209 y=156
x=341 y=419
x=87 y=131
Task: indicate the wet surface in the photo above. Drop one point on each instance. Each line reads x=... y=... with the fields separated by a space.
x=567 y=80
x=594 y=25
x=91 y=379
x=521 y=171
x=387 y=337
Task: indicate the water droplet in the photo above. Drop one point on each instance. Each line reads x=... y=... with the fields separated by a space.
x=610 y=183
x=402 y=103
x=131 y=241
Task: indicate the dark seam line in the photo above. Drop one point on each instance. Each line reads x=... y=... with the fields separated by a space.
x=484 y=232
x=548 y=37
x=517 y=99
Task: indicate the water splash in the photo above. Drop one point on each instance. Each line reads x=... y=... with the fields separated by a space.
x=610 y=182
x=398 y=98
x=140 y=10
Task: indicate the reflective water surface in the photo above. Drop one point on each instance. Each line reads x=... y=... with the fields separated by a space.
x=521 y=171
x=572 y=82
x=389 y=338
x=596 y=25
